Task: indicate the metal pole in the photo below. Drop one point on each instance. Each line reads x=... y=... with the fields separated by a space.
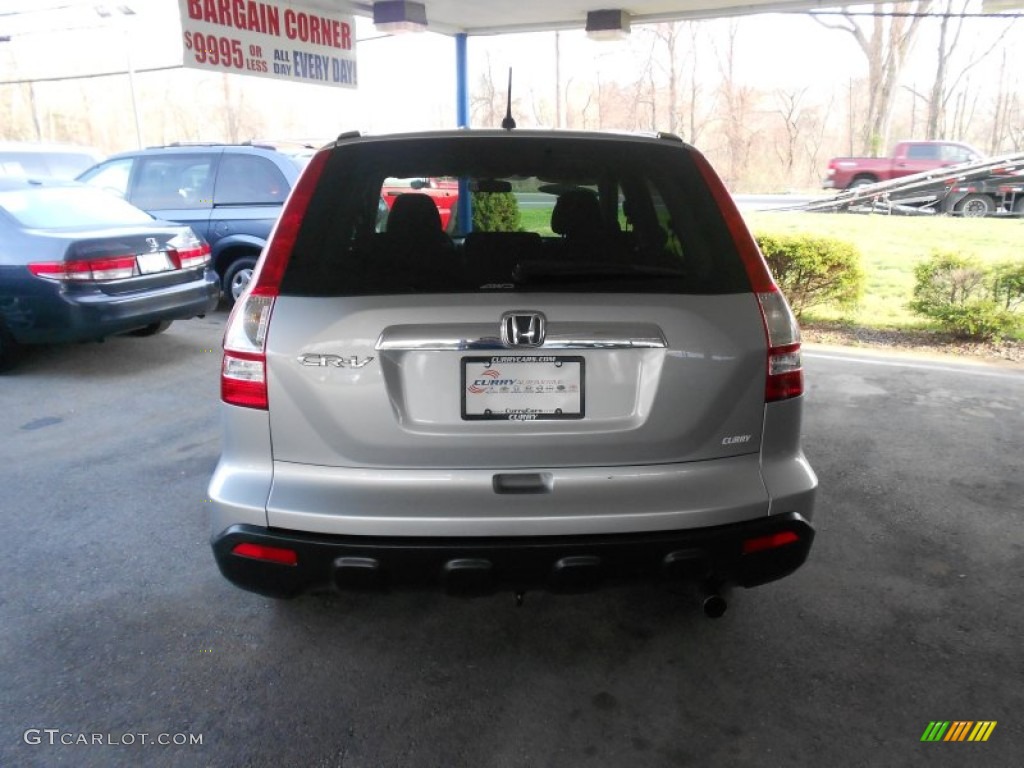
x=464 y=208
x=558 y=80
x=461 y=81
x=131 y=85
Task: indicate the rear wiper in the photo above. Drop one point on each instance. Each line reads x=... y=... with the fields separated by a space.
x=562 y=271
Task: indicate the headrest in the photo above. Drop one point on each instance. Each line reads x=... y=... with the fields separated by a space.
x=577 y=213
x=413 y=212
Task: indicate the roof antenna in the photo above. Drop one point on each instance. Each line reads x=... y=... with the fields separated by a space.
x=508 y=123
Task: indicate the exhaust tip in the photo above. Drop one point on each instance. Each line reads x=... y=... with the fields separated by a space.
x=714 y=606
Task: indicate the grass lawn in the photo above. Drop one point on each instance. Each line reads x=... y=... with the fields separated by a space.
x=537 y=220
x=890 y=246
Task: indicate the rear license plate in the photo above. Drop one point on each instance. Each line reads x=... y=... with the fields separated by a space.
x=153 y=262
x=522 y=388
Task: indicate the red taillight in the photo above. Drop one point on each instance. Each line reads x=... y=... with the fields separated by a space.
x=187 y=258
x=86 y=270
x=243 y=380
x=772 y=541
x=784 y=378
x=785 y=374
x=269 y=554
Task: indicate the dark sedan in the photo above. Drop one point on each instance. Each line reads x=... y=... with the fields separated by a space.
x=80 y=264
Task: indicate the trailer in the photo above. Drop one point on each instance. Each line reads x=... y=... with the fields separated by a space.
x=990 y=187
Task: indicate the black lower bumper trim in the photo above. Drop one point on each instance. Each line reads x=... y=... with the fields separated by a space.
x=481 y=565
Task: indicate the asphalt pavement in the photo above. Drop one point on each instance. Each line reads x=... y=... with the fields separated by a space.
x=117 y=632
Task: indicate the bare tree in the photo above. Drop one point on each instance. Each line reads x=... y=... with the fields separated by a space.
x=737 y=101
x=644 y=94
x=791 y=111
x=668 y=35
x=539 y=110
x=951 y=25
x=484 y=106
x=814 y=137
x=695 y=122
x=885 y=45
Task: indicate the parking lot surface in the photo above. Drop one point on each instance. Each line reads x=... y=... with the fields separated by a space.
x=118 y=634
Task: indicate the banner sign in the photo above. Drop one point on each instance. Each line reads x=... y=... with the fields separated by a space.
x=274 y=39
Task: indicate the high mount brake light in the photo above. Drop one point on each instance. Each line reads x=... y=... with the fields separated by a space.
x=784 y=376
x=243 y=374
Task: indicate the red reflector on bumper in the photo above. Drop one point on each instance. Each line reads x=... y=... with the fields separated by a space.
x=270 y=554
x=772 y=541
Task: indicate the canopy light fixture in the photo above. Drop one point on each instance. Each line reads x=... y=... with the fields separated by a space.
x=395 y=16
x=998 y=6
x=607 y=25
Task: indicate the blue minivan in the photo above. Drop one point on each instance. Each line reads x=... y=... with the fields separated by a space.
x=230 y=194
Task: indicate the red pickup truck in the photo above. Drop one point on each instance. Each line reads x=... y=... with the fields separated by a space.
x=444 y=193
x=908 y=157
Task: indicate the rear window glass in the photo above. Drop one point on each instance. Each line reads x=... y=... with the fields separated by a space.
x=249 y=179
x=923 y=152
x=181 y=182
x=69 y=207
x=548 y=214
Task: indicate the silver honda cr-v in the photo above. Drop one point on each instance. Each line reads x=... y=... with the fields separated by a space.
x=590 y=376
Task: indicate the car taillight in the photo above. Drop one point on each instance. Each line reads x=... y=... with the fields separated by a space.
x=784 y=377
x=193 y=257
x=785 y=369
x=187 y=251
x=243 y=373
x=86 y=270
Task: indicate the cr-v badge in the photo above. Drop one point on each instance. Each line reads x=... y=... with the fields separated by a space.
x=334 y=361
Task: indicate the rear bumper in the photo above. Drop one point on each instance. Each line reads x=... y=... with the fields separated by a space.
x=721 y=554
x=48 y=313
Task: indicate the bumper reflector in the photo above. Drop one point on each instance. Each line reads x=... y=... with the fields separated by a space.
x=771 y=541
x=270 y=554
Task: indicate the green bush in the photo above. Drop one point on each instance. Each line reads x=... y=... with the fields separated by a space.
x=496 y=212
x=1008 y=284
x=967 y=298
x=814 y=270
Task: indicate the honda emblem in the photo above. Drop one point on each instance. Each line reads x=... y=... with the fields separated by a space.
x=522 y=329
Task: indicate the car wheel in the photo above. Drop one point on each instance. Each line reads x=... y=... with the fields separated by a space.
x=237 y=277
x=974 y=206
x=151 y=330
x=861 y=181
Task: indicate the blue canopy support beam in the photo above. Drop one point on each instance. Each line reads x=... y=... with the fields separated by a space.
x=464 y=210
